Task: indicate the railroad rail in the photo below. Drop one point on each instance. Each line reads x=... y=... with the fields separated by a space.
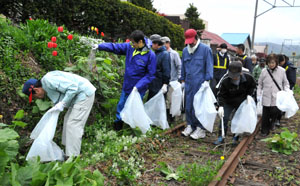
x=230 y=165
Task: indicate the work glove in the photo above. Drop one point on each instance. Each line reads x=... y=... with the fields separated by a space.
x=58 y=107
x=182 y=85
x=221 y=112
x=248 y=99
x=134 y=88
x=164 y=88
x=205 y=84
x=95 y=47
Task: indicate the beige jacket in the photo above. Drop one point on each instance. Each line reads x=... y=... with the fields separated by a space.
x=267 y=89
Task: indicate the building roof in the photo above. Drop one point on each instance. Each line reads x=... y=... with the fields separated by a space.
x=235 y=38
x=216 y=39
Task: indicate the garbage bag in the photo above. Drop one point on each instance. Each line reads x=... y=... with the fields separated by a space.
x=286 y=102
x=204 y=107
x=245 y=118
x=134 y=113
x=176 y=98
x=43 y=134
x=155 y=108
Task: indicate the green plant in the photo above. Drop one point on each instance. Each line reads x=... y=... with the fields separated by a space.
x=169 y=171
x=17 y=119
x=285 y=142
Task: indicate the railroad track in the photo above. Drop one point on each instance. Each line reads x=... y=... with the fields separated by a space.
x=224 y=174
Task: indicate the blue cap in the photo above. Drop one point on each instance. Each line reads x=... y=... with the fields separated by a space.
x=28 y=84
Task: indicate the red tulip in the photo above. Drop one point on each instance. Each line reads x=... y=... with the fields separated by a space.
x=30 y=18
x=50 y=44
x=54 y=45
x=102 y=34
x=60 y=29
x=127 y=40
x=53 y=39
x=54 y=53
x=70 y=37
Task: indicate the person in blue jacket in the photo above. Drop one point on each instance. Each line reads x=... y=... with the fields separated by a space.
x=66 y=90
x=163 y=67
x=140 y=67
x=197 y=68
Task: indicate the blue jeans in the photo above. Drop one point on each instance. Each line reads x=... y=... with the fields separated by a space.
x=228 y=109
x=121 y=104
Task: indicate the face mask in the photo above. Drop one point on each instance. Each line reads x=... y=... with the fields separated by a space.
x=223 y=51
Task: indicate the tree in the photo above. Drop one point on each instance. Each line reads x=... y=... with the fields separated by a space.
x=145 y=4
x=192 y=16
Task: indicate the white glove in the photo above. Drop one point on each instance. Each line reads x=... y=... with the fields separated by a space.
x=182 y=85
x=258 y=98
x=58 y=107
x=205 y=84
x=248 y=99
x=134 y=88
x=164 y=88
x=221 y=112
x=95 y=47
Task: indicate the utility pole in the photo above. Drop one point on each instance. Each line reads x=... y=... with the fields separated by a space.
x=254 y=25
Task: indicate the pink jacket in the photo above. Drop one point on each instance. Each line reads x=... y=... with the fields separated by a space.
x=267 y=89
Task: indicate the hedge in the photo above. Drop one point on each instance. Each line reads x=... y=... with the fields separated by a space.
x=116 y=19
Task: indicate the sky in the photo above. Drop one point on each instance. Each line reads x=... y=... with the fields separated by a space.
x=279 y=25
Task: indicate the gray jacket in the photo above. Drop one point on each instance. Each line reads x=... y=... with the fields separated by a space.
x=175 y=65
x=268 y=89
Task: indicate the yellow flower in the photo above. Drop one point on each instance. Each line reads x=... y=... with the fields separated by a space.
x=1 y=116
x=222 y=157
x=92 y=28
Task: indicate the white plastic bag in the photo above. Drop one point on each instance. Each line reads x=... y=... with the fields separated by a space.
x=286 y=102
x=43 y=134
x=134 y=113
x=204 y=107
x=176 y=98
x=155 y=108
x=245 y=118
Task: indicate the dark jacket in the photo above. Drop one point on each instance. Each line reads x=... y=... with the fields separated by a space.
x=247 y=62
x=220 y=66
x=290 y=73
x=232 y=94
x=163 y=69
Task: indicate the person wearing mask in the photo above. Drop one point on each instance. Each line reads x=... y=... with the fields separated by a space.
x=221 y=62
x=163 y=67
x=234 y=89
x=272 y=80
x=140 y=67
x=258 y=68
x=197 y=69
x=246 y=61
x=66 y=90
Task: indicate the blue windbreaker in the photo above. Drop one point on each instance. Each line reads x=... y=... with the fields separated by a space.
x=139 y=67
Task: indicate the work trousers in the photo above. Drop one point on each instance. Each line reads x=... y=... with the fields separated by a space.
x=74 y=122
x=269 y=116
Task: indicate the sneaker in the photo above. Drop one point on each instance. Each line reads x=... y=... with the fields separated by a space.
x=235 y=140
x=118 y=125
x=187 y=131
x=198 y=133
x=219 y=141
